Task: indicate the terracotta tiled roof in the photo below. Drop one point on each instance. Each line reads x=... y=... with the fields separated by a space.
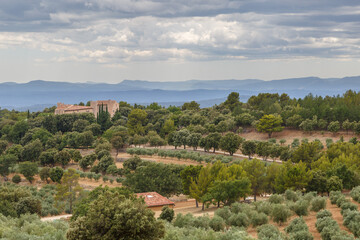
x=76 y=107
x=153 y=199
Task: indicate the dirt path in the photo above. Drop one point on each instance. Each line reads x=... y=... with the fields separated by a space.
x=336 y=215
x=53 y=218
x=158 y=159
x=310 y=220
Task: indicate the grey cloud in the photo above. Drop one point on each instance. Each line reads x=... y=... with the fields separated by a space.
x=112 y=31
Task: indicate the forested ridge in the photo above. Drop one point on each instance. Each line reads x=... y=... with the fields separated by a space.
x=46 y=150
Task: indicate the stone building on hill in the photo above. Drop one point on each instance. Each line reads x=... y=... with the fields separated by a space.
x=110 y=105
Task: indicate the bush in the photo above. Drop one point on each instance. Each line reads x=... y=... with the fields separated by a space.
x=301 y=235
x=182 y=221
x=325 y=222
x=323 y=213
x=167 y=214
x=355 y=194
x=296 y=225
x=348 y=206
x=264 y=207
x=202 y=222
x=16 y=179
x=276 y=198
x=310 y=195
x=224 y=213
x=334 y=195
x=318 y=203
x=258 y=219
x=352 y=221
x=269 y=232
x=217 y=223
x=291 y=195
x=341 y=200
x=239 y=220
x=301 y=207
x=280 y=213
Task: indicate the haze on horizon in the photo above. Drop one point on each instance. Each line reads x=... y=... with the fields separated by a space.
x=158 y=40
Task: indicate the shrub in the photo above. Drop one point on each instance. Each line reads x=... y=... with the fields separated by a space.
x=16 y=179
x=217 y=223
x=310 y=195
x=355 y=194
x=167 y=214
x=318 y=203
x=202 y=222
x=329 y=231
x=348 y=206
x=296 y=225
x=276 y=198
x=352 y=221
x=324 y=222
x=301 y=235
x=341 y=200
x=97 y=176
x=224 y=213
x=241 y=207
x=291 y=195
x=258 y=219
x=334 y=195
x=264 y=207
x=184 y=220
x=301 y=207
x=280 y=213
x=239 y=220
x=105 y=178
x=323 y=213
x=269 y=232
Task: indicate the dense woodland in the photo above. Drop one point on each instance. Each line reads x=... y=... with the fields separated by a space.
x=49 y=146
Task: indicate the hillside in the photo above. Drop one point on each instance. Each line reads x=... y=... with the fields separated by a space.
x=37 y=94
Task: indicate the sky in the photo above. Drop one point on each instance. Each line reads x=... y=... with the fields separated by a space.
x=175 y=40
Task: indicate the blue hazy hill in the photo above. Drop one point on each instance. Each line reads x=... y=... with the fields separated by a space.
x=38 y=94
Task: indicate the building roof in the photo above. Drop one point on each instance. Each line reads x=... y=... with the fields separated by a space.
x=153 y=199
x=77 y=107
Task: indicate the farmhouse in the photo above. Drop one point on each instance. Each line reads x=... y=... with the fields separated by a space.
x=155 y=201
x=110 y=105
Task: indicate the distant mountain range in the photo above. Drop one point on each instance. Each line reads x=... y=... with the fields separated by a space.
x=38 y=94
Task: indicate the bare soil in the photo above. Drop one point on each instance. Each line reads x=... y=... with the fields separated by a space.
x=157 y=159
x=290 y=134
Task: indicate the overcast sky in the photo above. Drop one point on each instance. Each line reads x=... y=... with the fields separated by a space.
x=172 y=40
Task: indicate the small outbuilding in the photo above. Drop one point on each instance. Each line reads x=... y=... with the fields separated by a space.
x=155 y=201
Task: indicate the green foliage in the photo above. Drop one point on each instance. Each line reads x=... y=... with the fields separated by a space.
x=167 y=214
x=56 y=174
x=230 y=143
x=156 y=177
x=45 y=174
x=29 y=170
x=16 y=179
x=121 y=219
x=31 y=227
x=280 y=213
x=355 y=194
x=136 y=122
x=269 y=124
x=269 y=232
x=62 y=157
x=301 y=207
x=318 y=203
x=28 y=205
x=323 y=213
x=276 y=198
x=239 y=220
x=69 y=188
